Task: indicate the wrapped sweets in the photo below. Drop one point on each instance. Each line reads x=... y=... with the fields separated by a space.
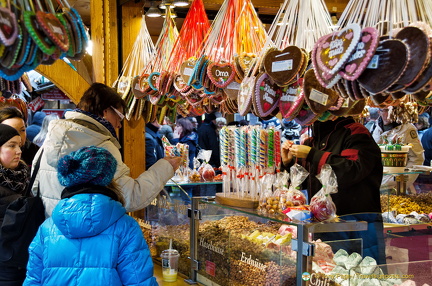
x=270 y=149
x=297 y=175
x=322 y=205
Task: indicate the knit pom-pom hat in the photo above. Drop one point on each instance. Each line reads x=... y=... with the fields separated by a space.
x=92 y=165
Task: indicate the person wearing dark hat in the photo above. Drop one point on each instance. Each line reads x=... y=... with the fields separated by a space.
x=89 y=239
x=12 y=116
x=14 y=178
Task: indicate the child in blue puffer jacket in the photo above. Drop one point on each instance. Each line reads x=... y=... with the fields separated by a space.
x=89 y=239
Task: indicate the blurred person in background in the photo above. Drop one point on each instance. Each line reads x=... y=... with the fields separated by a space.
x=422 y=124
x=154 y=147
x=34 y=128
x=373 y=117
x=40 y=137
x=220 y=123
x=184 y=133
x=13 y=117
x=388 y=131
x=166 y=129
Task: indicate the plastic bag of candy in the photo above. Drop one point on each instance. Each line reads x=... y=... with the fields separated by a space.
x=322 y=205
x=297 y=175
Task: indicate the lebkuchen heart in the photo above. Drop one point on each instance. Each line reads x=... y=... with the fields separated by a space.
x=267 y=95
x=220 y=74
x=8 y=26
x=54 y=29
x=283 y=66
x=317 y=97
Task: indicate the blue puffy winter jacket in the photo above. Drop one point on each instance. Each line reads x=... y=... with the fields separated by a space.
x=89 y=240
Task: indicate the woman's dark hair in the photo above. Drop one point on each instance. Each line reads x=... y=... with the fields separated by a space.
x=186 y=125
x=99 y=97
x=10 y=112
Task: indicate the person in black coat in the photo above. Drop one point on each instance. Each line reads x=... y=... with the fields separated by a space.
x=154 y=146
x=350 y=150
x=14 y=178
x=208 y=139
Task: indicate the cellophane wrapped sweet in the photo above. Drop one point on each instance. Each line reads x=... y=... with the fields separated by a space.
x=267 y=203
x=322 y=205
x=297 y=175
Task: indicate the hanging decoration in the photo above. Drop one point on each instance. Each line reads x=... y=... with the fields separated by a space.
x=33 y=33
x=127 y=84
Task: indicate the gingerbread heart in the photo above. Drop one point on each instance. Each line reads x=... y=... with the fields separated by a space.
x=53 y=29
x=266 y=95
x=291 y=101
x=422 y=80
x=8 y=26
x=418 y=46
x=37 y=34
x=232 y=90
x=246 y=61
x=179 y=84
x=362 y=54
x=143 y=83
x=317 y=97
x=335 y=49
x=218 y=97
x=79 y=33
x=187 y=70
x=283 y=66
x=326 y=79
x=123 y=86
x=245 y=94
x=306 y=116
x=386 y=66
x=220 y=74
x=153 y=80
x=136 y=89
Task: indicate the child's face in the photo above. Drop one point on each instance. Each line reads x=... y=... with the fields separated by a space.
x=10 y=153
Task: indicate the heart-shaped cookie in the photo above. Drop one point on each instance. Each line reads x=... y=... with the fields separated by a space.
x=266 y=95
x=291 y=101
x=306 y=116
x=8 y=26
x=386 y=66
x=335 y=49
x=179 y=84
x=245 y=94
x=37 y=34
x=136 y=88
x=220 y=74
x=418 y=46
x=326 y=79
x=422 y=80
x=362 y=54
x=232 y=90
x=194 y=98
x=187 y=70
x=218 y=97
x=53 y=29
x=317 y=97
x=246 y=61
x=283 y=66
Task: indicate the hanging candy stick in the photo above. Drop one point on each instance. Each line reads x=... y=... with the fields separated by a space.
x=270 y=149
x=278 y=158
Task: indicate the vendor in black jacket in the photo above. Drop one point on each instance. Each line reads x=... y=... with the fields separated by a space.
x=355 y=158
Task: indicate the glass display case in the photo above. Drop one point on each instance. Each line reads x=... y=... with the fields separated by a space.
x=225 y=245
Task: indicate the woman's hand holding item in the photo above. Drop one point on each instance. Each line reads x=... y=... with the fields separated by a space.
x=174 y=161
x=290 y=150
x=287 y=156
x=300 y=151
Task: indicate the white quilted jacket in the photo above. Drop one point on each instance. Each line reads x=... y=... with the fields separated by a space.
x=79 y=130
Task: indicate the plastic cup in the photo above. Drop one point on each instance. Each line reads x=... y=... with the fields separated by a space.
x=170 y=259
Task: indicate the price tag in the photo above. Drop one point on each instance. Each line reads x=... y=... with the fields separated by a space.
x=318 y=97
x=286 y=65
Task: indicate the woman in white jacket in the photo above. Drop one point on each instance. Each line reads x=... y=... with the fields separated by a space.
x=98 y=114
